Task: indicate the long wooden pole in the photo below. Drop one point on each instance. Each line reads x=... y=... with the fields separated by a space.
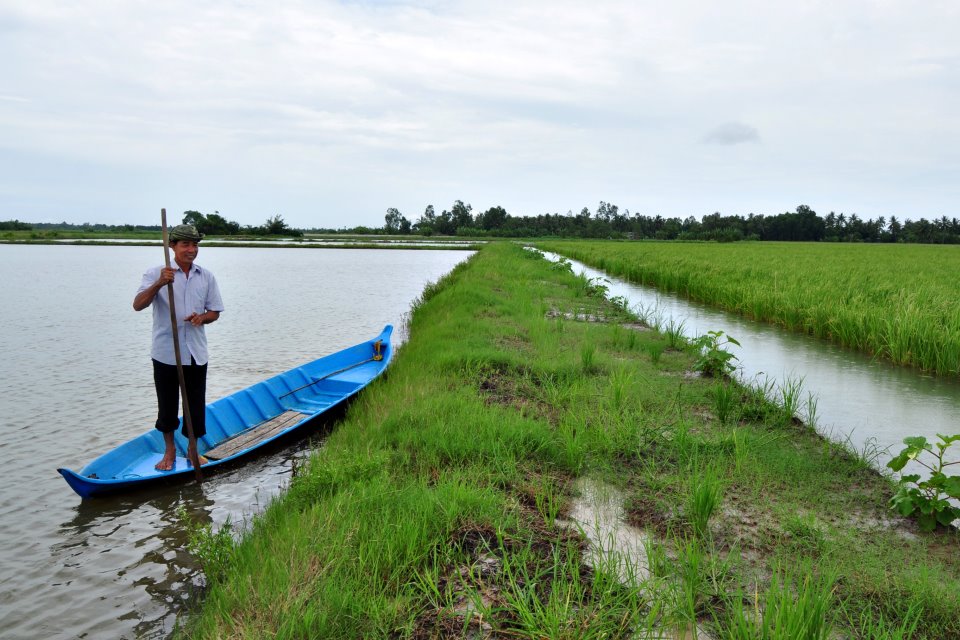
x=192 y=450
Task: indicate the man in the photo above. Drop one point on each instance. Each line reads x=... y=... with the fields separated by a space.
x=197 y=303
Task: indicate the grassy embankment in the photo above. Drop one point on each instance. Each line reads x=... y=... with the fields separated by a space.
x=431 y=511
x=898 y=302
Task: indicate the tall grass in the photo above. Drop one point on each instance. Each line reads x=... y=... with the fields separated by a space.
x=436 y=507
x=897 y=302
x=705 y=494
x=796 y=605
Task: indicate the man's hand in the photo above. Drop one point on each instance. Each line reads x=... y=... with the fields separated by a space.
x=197 y=319
x=166 y=276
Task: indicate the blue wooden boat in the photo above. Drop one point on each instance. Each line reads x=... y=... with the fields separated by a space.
x=242 y=422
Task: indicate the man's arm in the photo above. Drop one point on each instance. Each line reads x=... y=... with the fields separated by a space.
x=144 y=297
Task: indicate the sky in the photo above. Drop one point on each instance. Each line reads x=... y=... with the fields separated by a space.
x=328 y=113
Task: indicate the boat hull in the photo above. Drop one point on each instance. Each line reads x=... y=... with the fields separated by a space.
x=241 y=423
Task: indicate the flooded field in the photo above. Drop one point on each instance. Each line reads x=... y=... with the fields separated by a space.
x=76 y=365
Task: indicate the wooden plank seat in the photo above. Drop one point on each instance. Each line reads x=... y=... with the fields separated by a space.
x=255 y=434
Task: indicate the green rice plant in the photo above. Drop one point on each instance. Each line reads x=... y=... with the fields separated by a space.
x=928 y=500
x=740 y=448
x=649 y=315
x=573 y=446
x=691 y=591
x=872 y=625
x=702 y=576
x=894 y=301
x=549 y=596
x=633 y=340
x=549 y=501
x=629 y=338
x=705 y=492
x=866 y=455
x=684 y=445
x=675 y=331
x=811 y=412
x=789 y=397
x=555 y=389
x=620 y=382
x=725 y=400
x=588 y=357
x=655 y=350
x=797 y=604
x=766 y=400
x=659 y=562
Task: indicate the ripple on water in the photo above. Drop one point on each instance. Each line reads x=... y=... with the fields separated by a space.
x=79 y=382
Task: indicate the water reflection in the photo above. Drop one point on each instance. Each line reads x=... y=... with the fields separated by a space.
x=75 y=365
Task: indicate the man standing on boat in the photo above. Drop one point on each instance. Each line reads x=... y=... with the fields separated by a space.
x=197 y=302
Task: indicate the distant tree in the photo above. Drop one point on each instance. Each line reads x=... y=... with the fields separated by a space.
x=392 y=220
x=894 y=229
x=443 y=224
x=492 y=218
x=460 y=215
x=425 y=224
x=15 y=225
x=214 y=223
x=276 y=226
x=219 y=225
x=195 y=218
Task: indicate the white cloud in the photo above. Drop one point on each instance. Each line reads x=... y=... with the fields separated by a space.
x=350 y=108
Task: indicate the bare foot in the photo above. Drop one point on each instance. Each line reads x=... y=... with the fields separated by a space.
x=166 y=463
x=169 y=453
x=203 y=460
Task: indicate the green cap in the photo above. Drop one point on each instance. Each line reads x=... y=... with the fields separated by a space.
x=185 y=232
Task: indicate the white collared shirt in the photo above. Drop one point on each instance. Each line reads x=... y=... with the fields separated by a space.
x=197 y=294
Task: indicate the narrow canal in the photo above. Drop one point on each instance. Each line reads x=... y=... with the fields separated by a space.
x=872 y=405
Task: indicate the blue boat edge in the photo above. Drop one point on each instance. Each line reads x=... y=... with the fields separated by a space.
x=91 y=487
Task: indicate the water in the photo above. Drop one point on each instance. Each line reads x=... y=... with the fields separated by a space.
x=870 y=404
x=298 y=242
x=75 y=365
x=597 y=512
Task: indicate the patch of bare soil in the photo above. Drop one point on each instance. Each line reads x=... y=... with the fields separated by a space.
x=645 y=511
x=503 y=389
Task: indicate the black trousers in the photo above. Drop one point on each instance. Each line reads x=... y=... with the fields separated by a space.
x=168 y=396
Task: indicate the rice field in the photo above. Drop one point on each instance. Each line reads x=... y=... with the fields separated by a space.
x=897 y=302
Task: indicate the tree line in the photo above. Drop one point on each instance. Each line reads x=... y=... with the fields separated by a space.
x=207 y=224
x=216 y=225
x=609 y=221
